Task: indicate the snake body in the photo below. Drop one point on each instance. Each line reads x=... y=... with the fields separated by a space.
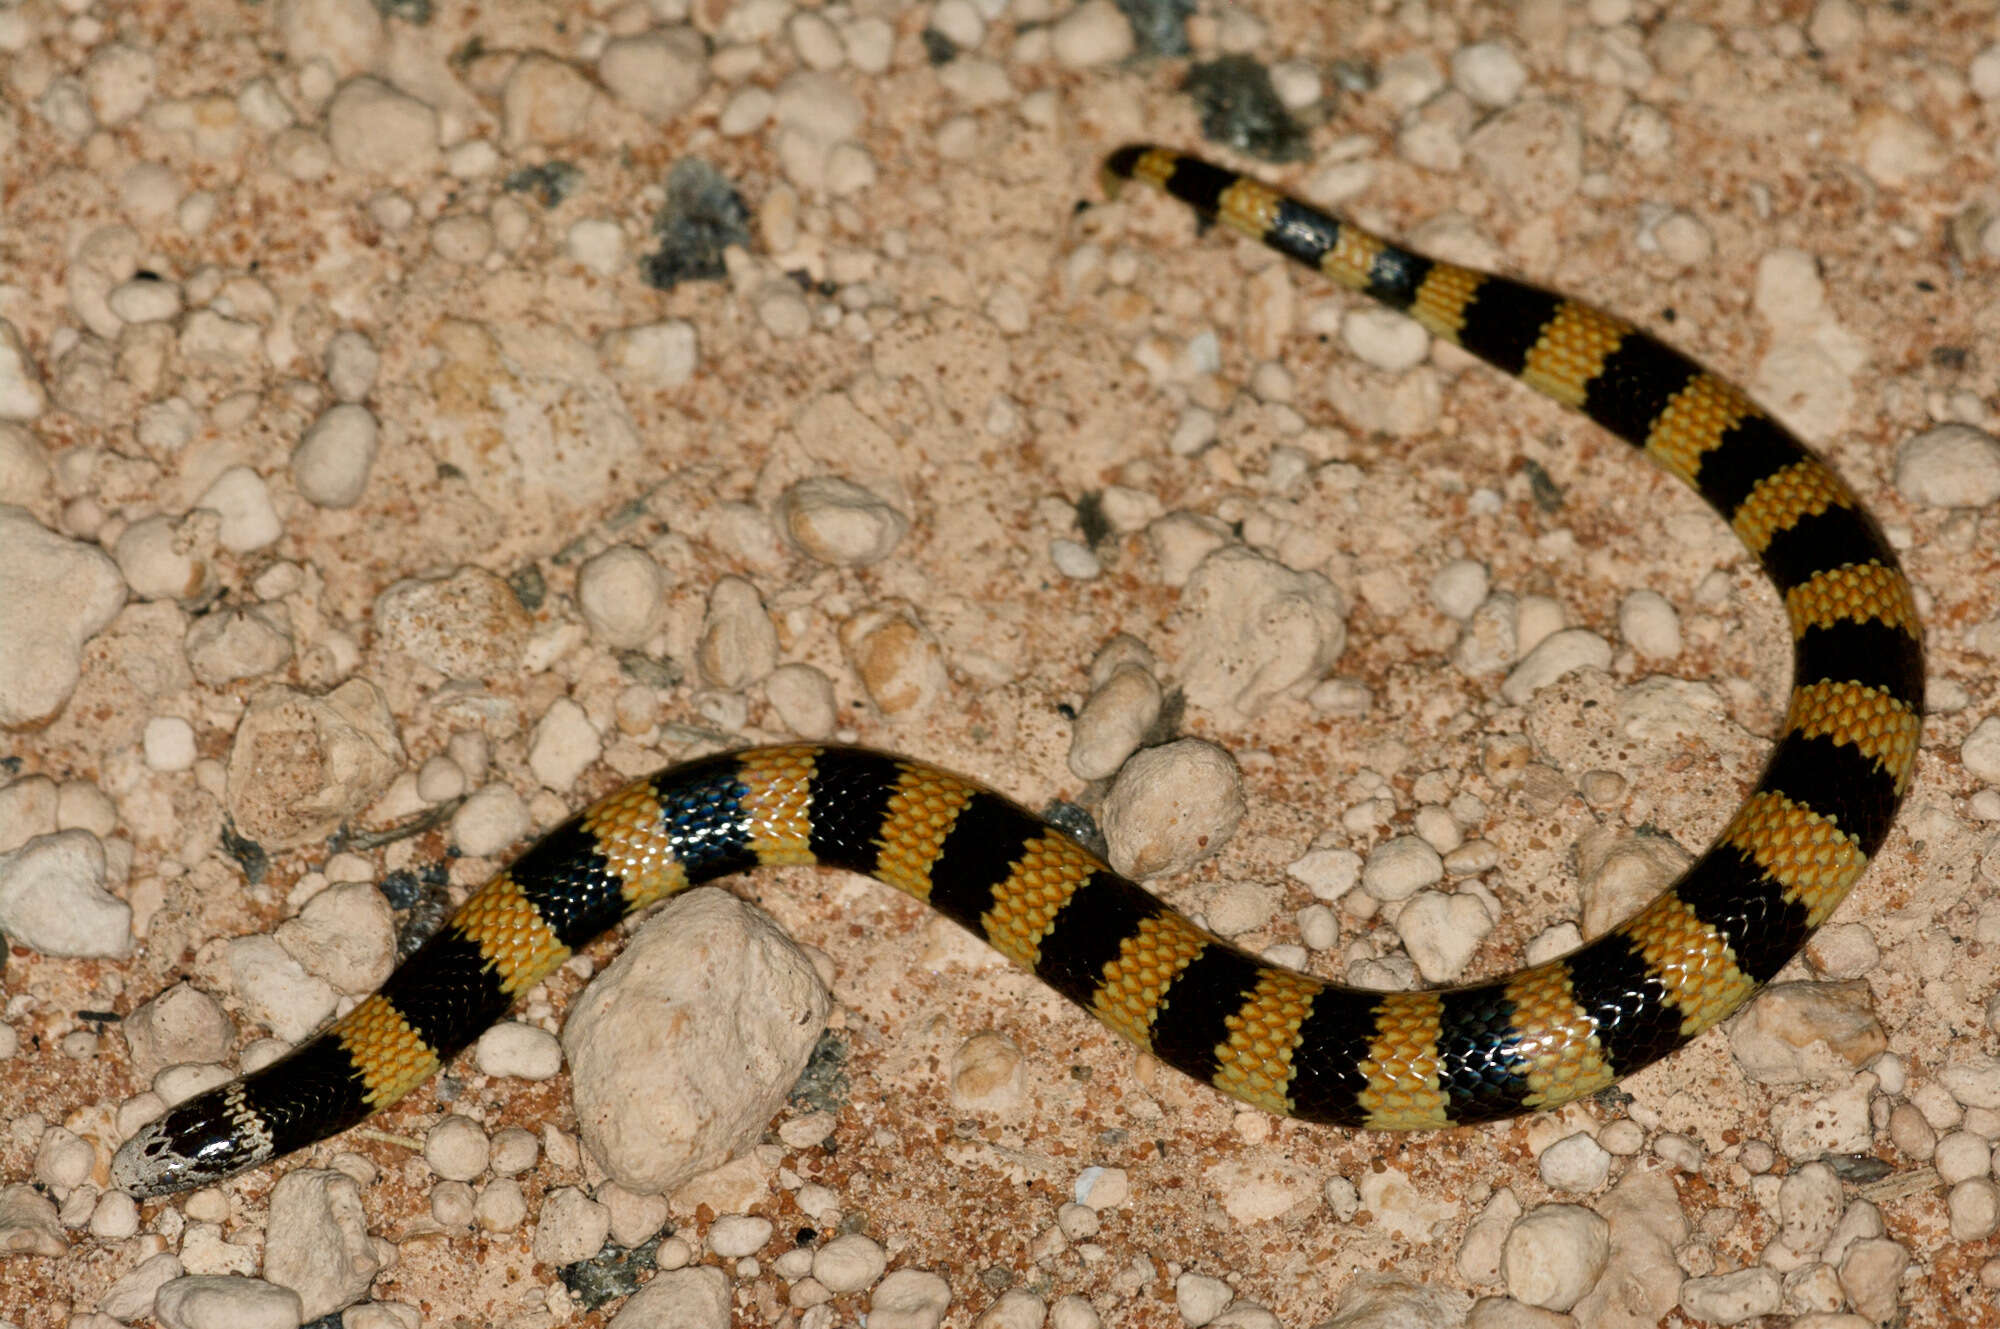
x=1281 y=1040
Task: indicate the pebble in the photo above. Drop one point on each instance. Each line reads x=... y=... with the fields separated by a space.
x=466 y=625
x=331 y=462
x=316 y=1241
x=346 y=934
x=1575 y=1164
x=908 y=1299
x=1951 y=465
x=63 y=1159
x=897 y=658
x=1327 y=873
x=519 y=1051
x=1973 y=1079
x=1374 y=1300
x=803 y=698
x=988 y=1074
x=1809 y=1206
x=1478 y=1257
x=1460 y=587
x=1489 y=73
x=457 y=1148
x=746 y=1008
x=21 y=394
x=1441 y=932
x=1385 y=339
x=1093 y=33
x=1554 y=1255
x=734 y=1236
x=1734 y=1298
x=1171 y=807
x=375 y=130
x=739 y=643
x=1251 y=629
x=53 y=898
x=545 y=101
x=1100 y=1188
x=59 y=594
x=832 y=520
x=1973 y=1209
x=1871 y=1271
x=1398 y=868
x=572 y=1226
x=563 y=745
x=224 y=1301
x=351 y=365
x=491 y=819
x=619 y=594
x=1200 y=1298
x=1649 y=625
x=514 y=1151
x=1980 y=751
x=275 y=988
x=659 y=73
x=660 y=355
x=131 y=1296
x=1554 y=656
x=1113 y=721
x=690 y=1298
x=1015 y=1308
x=249 y=520
x=850 y=1263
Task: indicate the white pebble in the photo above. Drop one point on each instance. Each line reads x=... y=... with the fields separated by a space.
x=1554 y=1255
x=1576 y=1164
x=1649 y=625
x=1397 y=869
x=351 y=365
x=1556 y=655
x=1460 y=587
x=1489 y=73
x=597 y=243
x=375 y=129
x=1171 y=807
x=618 y=592
x=849 y=1263
x=734 y=1236
x=490 y=820
x=169 y=743
x=836 y=521
x=1951 y=465
x=1094 y=33
x=249 y=520
x=662 y=355
x=145 y=300
x=331 y=463
x=522 y=1051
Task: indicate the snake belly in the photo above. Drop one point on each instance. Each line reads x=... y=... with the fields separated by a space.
x=1275 y=1038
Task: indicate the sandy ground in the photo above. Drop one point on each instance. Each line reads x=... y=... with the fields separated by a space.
x=1013 y=345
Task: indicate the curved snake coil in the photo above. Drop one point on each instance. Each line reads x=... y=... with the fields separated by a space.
x=1281 y=1040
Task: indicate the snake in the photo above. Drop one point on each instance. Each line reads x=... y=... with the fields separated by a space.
x=1273 y=1037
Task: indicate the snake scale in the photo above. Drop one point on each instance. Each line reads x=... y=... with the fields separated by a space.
x=1281 y=1040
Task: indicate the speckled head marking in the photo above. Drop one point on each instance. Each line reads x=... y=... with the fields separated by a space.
x=1280 y=1040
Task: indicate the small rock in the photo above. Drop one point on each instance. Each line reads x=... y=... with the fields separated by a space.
x=909 y=1299
x=1171 y=807
x=316 y=1241
x=849 y=1264
x=837 y=521
x=376 y=130
x=1554 y=1255
x=59 y=594
x=1733 y=1298
x=1096 y=32
x=659 y=73
x=686 y=1045
x=331 y=463
x=53 y=898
